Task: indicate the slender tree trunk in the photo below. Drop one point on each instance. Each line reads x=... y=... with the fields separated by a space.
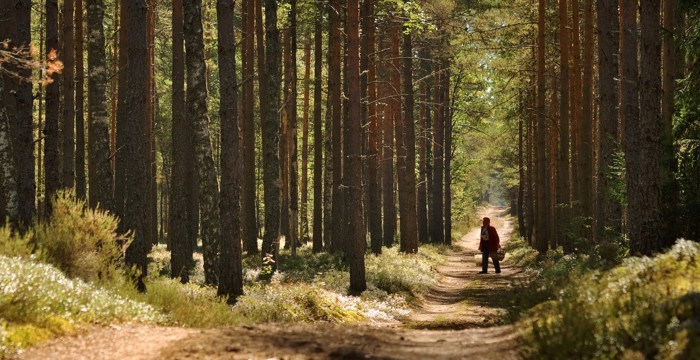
x=122 y=107
x=101 y=181
x=68 y=124
x=303 y=209
x=135 y=180
x=422 y=201
x=285 y=137
x=116 y=56
x=248 y=196
x=293 y=137
x=24 y=125
x=318 y=135
x=575 y=108
x=80 y=179
x=409 y=145
x=354 y=176
x=180 y=213
x=644 y=211
x=204 y=160
x=374 y=203
x=669 y=164
x=270 y=126
x=586 y=145
x=51 y=141
x=521 y=172
x=387 y=150
x=541 y=234
x=8 y=182
x=230 y=266
x=608 y=212
x=563 y=186
x=334 y=92
x=447 y=116
x=436 y=226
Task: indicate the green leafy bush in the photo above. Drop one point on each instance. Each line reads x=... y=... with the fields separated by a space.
x=38 y=301
x=646 y=307
x=80 y=241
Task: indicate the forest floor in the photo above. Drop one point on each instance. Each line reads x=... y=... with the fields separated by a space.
x=458 y=318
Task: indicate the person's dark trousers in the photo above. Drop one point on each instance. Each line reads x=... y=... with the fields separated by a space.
x=485 y=261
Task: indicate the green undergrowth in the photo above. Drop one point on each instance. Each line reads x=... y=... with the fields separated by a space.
x=589 y=308
x=68 y=272
x=38 y=301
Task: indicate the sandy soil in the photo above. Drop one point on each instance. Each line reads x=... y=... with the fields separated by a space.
x=457 y=319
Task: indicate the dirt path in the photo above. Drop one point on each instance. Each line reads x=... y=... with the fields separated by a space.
x=456 y=320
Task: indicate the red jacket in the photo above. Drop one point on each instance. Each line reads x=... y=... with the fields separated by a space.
x=494 y=241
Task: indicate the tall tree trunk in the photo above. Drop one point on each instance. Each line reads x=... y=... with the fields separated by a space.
x=24 y=124
x=304 y=186
x=230 y=266
x=68 y=124
x=575 y=108
x=204 y=161
x=437 y=233
x=608 y=212
x=585 y=153
x=409 y=144
x=181 y=211
x=122 y=107
x=669 y=164
x=644 y=211
x=334 y=92
x=374 y=203
x=542 y=197
x=8 y=182
x=51 y=141
x=99 y=151
x=521 y=172
x=248 y=196
x=285 y=138
x=135 y=180
x=270 y=126
x=422 y=200
x=399 y=126
x=293 y=137
x=389 y=228
x=318 y=135
x=80 y=179
x=354 y=176
x=447 y=115
x=152 y=218
x=563 y=186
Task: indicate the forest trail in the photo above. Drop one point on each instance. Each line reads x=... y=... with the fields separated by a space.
x=457 y=319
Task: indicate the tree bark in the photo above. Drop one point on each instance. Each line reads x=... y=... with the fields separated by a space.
x=135 y=179
x=68 y=124
x=373 y=162
x=80 y=179
x=644 y=210
x=270 y=126
x=101 y=181
x=230 y=266
x=608 y=212
x=293 y=137
x=563 y=186
x=204 y=161
x=585 y=146
x=51 y=141
x=181 y=211
x=422 y=200
x=389 y=228
x=409 y=144
x=541 y=234
x=304 y=186
x=356 y=231
x=318 y=135
x=436 y=226
x=669 y=164
x=334 y=92
x=248 y=196
x=447 y=115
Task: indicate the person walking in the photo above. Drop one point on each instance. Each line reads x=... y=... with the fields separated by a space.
x=489 y=245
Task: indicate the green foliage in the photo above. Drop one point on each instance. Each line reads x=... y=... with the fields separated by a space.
x=38 y=301
x=82 y=242
x=646 y=307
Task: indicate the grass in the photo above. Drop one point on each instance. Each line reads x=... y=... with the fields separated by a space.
x=643 y=308
x=68 y=272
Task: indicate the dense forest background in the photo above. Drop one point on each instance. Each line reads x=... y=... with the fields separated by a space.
x=223 y=131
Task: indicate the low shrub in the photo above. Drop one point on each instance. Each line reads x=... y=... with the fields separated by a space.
x=646 y=307
x=38 y=301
